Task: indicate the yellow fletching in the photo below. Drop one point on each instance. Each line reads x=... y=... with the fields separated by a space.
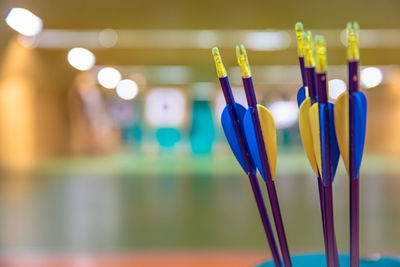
x=341 y=111
x=306 y=133
x=269 y=133
x=315 y=129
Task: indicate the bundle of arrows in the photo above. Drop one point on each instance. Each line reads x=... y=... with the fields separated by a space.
x=327 y=131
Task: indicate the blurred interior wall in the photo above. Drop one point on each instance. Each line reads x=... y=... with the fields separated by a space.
x=37 y=120
x=383 y=125
x=91 y=128
x=17 y=103
x=33 y=108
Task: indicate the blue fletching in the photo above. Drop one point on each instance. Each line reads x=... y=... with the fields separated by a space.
x=335 y=152
x=334 y=147
x=360 y=125
x=301 y=95
x=251 y=139
x=227 y=120
x=323 y=141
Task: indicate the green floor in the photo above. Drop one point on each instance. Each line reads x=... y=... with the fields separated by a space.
x=139 y=202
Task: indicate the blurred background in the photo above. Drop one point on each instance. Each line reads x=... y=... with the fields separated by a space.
x=111 y=149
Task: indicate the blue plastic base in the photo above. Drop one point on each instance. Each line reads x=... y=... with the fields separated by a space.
x=318 y=260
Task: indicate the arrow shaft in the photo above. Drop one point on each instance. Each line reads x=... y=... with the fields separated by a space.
x=264 y=217
x=354 y=183
x=280 y=230
x=226 y=90
x=354 y=223
x=273 y=198
x=311 y=83
x=302 y=70
x=330 y=229
x=250 y=93
x=327 y=186
x=327 y=170
x=322 y=206
x=252 y=177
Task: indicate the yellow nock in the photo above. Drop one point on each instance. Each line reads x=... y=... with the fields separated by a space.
x=243 y=61
x=300 y=41
x=353 y=46
x=320 y=53
x=309 y=60
x=218 y=63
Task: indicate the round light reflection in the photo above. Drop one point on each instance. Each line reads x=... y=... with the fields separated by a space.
x=109 y=77
x=371 y=77
x=284 y=113
x=24 y=21
x=108 y=38
x=81 y=58
x=127 y=89
x=336 y=88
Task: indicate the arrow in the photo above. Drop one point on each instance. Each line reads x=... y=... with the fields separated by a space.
x=306 y=98
x=232 y=124
x=325 y=144
x=351 y=122
x=260 y=133
x=304 y=102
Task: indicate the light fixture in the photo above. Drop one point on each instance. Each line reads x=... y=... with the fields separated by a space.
x=24 y=21
x=371 y=77
x=336 y=88
x=109 y=77
x=127 y=89
x=81 y=58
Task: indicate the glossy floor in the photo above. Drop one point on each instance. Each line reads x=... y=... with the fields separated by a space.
x=81 y=210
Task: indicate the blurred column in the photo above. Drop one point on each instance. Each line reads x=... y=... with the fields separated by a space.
x=17 y=102
x=91 y=128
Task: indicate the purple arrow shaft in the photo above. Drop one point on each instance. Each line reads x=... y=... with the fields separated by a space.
x=273 y=198
x=306 y=82
x=354 y=181
x=311 y=82
x=302 y=70
x=322 y=206
x=226 y=89
x=327 y=171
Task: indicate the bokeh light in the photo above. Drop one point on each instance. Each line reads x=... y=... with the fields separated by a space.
x=108 y=38
x=127 y=89
x=284 y=113
x=81 y=58
x=336 y=88
x=109 y=77
x=24 y=21
x=371 y=77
